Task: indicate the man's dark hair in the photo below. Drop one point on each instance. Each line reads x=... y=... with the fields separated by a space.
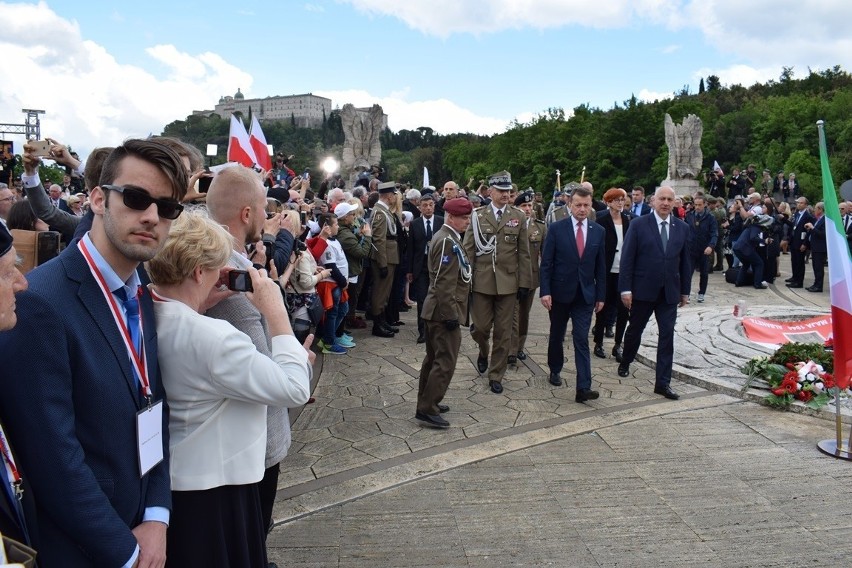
x=427 y=197
x=184 y=150
x=639 y=188
x=581 y=192
x=373 y=199
x=155 y=153
x=326 y=219
x=94 y=165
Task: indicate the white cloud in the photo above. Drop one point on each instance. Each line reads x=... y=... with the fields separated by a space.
x=670 y=49
x=651 y=96
x=443 y=18
x=442 y=115
x=92 y=99
x=314 y=8
x=740 y=74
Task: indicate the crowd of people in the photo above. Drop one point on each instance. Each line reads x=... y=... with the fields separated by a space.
x=150 y=366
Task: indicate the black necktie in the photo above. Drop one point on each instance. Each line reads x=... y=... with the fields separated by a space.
x=499 y=215
x=428 y=229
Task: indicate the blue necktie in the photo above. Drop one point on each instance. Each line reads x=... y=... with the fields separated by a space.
x=132 y=306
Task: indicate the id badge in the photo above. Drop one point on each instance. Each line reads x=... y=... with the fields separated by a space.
x=149 y=436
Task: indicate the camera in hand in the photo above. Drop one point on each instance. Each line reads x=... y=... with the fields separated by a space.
x=299 y=247
x=239 y=281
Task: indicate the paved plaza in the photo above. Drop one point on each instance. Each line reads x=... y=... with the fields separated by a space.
x=532 y=478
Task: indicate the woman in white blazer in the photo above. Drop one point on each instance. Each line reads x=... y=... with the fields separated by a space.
x=218 y=387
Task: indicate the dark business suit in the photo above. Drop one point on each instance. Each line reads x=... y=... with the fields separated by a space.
x=799 y=237
x=819 y=251
x=575 y=284
x=418 y=262
x=657 y=279
x=613 y=300
x=69 y=402
x=643 y=209
x=17 y=517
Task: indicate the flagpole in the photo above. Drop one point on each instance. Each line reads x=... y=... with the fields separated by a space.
x=834 y=447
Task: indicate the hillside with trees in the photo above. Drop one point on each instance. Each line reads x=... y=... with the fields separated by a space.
x=771 y=125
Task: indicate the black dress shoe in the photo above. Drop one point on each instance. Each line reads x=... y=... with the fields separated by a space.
x=814 y=289
x=623 y=369
x=666 y=392
x=795 y=285
x=617 y=352
x=404 y=308
x=380 y=331
x=609 y=332
x=421 y=338
x=788 y=280
x=586 y=394
x=555 y=379
x=522 y=356
x=396 y=323
x=763 y=287
x=599 y=352
x=512 y=360
x=496 y=387
x=443 y=407
x=481 y=364
x=432 y=420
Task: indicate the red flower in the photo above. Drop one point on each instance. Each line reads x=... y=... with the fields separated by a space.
x=790 y=384
x=790 y=366
x=828 y=380
x=805 y=395
x=779 y=391
x=829 y=342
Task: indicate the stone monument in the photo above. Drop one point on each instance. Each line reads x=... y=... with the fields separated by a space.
x=361 y=146
x=685 y=157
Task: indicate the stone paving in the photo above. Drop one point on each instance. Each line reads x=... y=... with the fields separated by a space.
x=530 y=477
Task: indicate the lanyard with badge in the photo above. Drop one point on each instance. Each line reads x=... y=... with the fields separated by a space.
x=149 y=420
x=14 y=475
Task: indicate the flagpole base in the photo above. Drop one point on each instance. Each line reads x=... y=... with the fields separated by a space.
x=829 y=448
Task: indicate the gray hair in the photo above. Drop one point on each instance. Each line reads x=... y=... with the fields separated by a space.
x=412 y=194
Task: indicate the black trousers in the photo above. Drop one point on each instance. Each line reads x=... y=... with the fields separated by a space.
x=818 y=264
x=267 y=488
x=613 y=308
x=701 y=263
x=666 y=315
x=797 y=260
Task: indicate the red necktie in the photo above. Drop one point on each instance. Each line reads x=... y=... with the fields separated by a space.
x=581 y=245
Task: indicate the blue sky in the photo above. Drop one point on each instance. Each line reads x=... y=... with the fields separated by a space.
x=107 y=70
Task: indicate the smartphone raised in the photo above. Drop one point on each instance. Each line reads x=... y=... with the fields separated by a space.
x=204 y=183
x=41 y=147
x=303 y=218
x=239 y=281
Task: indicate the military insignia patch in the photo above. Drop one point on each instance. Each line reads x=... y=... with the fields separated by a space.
x=512 y=223
x=445 y=259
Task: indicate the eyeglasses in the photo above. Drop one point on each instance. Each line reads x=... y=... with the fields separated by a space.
x=12 y=198
x=139 y=200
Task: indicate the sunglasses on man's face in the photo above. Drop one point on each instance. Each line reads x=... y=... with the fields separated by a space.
x=139 y=200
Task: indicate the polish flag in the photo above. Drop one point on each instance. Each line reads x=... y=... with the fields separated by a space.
x=258 y=144
x=839 y=272
x=239 y=147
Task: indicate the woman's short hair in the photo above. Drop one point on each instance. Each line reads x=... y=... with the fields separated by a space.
x=195 y=240
x=614 y=193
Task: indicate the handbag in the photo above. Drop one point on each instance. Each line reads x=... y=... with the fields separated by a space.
x=17 y=553
x=315 y=309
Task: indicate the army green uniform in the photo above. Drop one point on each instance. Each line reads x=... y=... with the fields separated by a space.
x=446 y=301
x=721 y=216
x=501 y=264
x=558 y=214
x=538 y=211
x=536 y=232
x=385 y=254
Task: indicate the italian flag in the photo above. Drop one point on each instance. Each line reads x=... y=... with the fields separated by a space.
x=839 y=274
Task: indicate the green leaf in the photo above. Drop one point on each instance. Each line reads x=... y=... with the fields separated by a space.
x=819 y=400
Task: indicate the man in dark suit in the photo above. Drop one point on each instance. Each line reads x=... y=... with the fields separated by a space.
x=88 y=431
x=798 y=242
x=573 y=285
x=56 y=200
x=818 y=247
x=654 y=278
x=15 y=501
x=639 y=207
x=420 y=234
x=704 y=235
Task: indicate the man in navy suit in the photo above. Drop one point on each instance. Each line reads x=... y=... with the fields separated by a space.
x=654 y=278
x=93 y=374
x=419 y=236
x=799 y=242
x=639 y=207
x=573 y=285
x=819 y=248
x=14 y=499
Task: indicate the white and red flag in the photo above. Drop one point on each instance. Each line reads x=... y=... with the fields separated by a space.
x=839 y=272
x=239 y=147
x=258 y=144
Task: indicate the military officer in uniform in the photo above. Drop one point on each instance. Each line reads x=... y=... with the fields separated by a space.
x=563 y=211
x=444 y=309
x=536 y=231
x=498 y=247
x=384 y=257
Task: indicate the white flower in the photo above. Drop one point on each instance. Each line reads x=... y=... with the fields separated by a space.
x=818 y=387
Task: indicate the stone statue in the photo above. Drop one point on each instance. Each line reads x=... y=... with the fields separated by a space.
x=684 y=142
x=361 y=146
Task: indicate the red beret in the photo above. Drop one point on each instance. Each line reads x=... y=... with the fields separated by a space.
x=458 y=206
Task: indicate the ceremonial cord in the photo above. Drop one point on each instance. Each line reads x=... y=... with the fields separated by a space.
x=484 y=247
